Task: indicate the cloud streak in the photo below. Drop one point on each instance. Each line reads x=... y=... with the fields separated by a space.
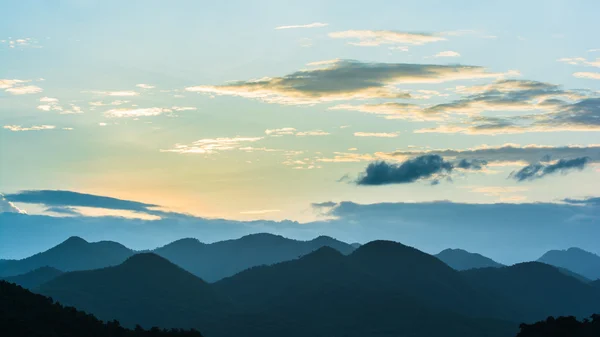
x=16 y=128
x=310 y=25
x=336 y=80
x=213 y=145
x=540 y=170
x=370 y=38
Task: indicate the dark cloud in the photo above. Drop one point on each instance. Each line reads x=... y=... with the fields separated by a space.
x=63 y=210
x=512 y=153
x=323 y=204
x=590 y=201
x=74 y=199
x=344 y=79
x=540 y=170
x=472 y=164
x=423 y=167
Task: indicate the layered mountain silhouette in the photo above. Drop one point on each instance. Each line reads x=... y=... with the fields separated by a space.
x=146 y=289
x=574 y=259
x=212 y=262
x=460 y=259
x=24 y=314
x=35 y=277
x=538 y=290
x=73 y=254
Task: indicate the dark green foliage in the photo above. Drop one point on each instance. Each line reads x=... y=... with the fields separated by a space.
x=567 y=326
x=35 y=277
x=462 y=260
x=212 y=262
x=24 y=314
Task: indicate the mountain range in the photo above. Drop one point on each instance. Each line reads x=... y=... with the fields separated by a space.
x=576 y=260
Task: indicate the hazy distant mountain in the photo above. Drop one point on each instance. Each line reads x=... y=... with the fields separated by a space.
x=146 y=289
x=23 y=313
x=35 y=277
x=577 y=260
x=73 y=254
x=538 y=290
x=212 y=262
x=462 y=260
x=355 y=245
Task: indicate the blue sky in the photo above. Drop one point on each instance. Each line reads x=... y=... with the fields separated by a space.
x=255 y=110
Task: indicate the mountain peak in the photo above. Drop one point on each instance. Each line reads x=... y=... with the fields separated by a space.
x=74 y=240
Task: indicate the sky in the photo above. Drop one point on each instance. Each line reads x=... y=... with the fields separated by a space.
x=261 y=110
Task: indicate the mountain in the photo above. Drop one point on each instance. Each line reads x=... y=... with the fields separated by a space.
x=326 y=293
x=146 y=289
x=562 y=326
x=35 y=277
x=574 y=259
x=462 y=260
x=596 y=283
x=73 y=254
x=212 y=262
x=24 y=314
x=538 y=290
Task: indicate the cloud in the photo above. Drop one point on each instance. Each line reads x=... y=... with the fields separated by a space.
x=294 y=132
x=100 y=103
x=512 y=154
x=310 y=25
x=412 y=170
x=6 y=83
x=335 y=80
x=325 y=204
x=580 y=61
x=123 y=93
x=9 y=207
x=447 y=53
x=52 y=104
x=474 y=164
x=183 y=108
x=63 y=210
x=30 y=128
x=376 y=134
x=369 y=38
x=593 y=76
x=391 y=110
x=213 y=145
x=24 y=90
x=59 y=198
x=145 y=86
x=540 y=170
x=135 y=112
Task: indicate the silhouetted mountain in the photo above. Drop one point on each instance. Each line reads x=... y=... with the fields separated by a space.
x=462 y=260
x=355 y=245
x=146 y=289
x=212 y=262
x=35 y=277
x=562 y=327
x=538 y=290
x=574 y=259
x=326 y=293
x=24 y=314
x=73 y=254
x=595 y=283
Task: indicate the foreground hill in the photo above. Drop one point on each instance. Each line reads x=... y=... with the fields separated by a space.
x=562 y=327
x=35 y=277
x=24 y=314
x=538 y=290
x=146 y=289
x=212 y=262
x=73 y=254
x=574 y=259
x=462 y=260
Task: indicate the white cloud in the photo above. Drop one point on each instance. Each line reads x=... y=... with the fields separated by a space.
x=260 y=211
x=294 y=132
x=447 y=53
x=125 y=93
x=310 y=25
x=49 y=100
x=368 y=38
x=580 y=61
x=212 y=145
x=145 y=86
x=24 y=90
x=593 y=76
x=141 y=112
x=183 y=108
x=5 y=84
x=376 y=134
x=116 y=103
x=31 y=128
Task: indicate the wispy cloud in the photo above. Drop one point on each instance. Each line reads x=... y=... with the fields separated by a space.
x=260 y=211
x=310 y=25
x=30 y=128
x=135 y=112
x=335 y=80
x=294 y=132
x=213 y=145
x=376 y=134
x=542 y=169
x=390 y=110
x=123 y=93
x=580 y=61
x=368 y=38
x=593 y=76
x=145 y=86
x=447 y=53
x=24 y=90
